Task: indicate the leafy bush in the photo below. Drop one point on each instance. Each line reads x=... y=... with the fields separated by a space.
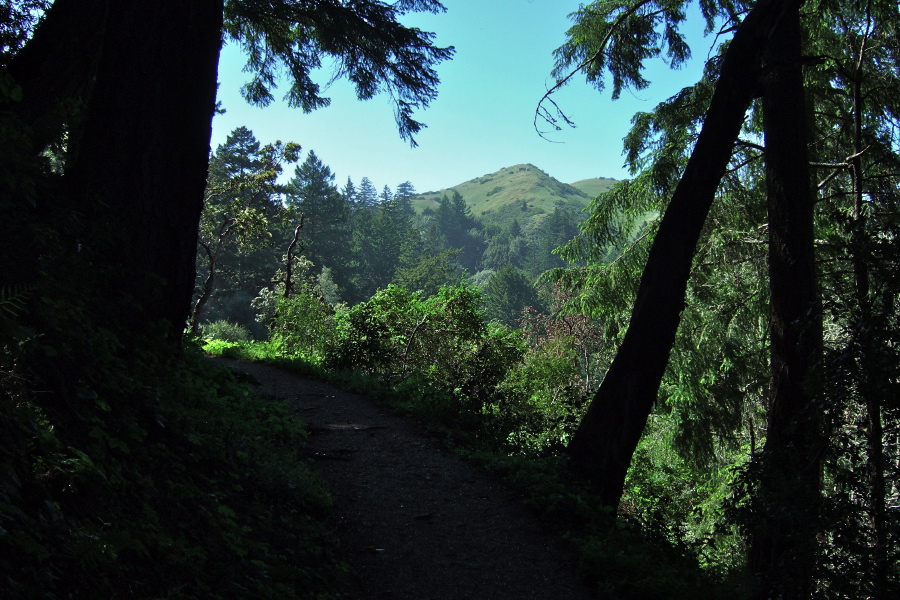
x=226 y=332
x=543 y=395
x=438 y=350
x=397 y=332
x=224 y=349
x=302 y=325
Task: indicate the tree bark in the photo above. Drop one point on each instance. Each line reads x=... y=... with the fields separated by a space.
x=55 y=79
x=140 y=169
x=289 y=261
x=608 y=435
x=782 y=543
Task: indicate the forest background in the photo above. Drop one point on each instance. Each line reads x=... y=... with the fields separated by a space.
x=736 y=295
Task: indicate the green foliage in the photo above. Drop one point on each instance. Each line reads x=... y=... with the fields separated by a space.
x=365 y=40
x=507 y=293
x=619 y=36
x=668 y=495
x=436 y=352
x=325 y=235
x=458 y=230
x=633 y=565
x=303 y=326
x=384 y=240
x=243 y=217
x=553 y=231
x=397 y=332
x=712 y=403
x=187 y=489
x=541 y=400
x=224 y=349
x=17 y=23
x=225 y=332
x=429 y=273
x=512 y=405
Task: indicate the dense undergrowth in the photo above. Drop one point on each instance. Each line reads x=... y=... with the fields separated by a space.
x=509 y=404
x=167 y=483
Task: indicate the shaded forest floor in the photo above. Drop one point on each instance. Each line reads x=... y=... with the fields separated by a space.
x=414 y=520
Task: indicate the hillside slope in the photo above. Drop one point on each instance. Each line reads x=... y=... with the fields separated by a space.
x=522 y=192
x=594 y=186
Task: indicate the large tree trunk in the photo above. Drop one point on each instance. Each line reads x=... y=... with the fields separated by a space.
x=142 y=156
x=782 y=541
x=57 y=67
x=608 y=435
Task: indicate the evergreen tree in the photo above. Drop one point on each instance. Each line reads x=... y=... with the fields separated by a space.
x=507 y=293
x=350 y=194
x=460 y=230
x=620 y=404
x=515 y=229
x=497 y=252
x=857 y=86
x=386 y=195
x=429 y=272
x=558 y=228
x=404 y=194
x=237 y=157
x=240 y=223
x=383 y=240
x=717 y=379
x=124 y=94
x=505 y=245
x=367 y=196
x=325 y=235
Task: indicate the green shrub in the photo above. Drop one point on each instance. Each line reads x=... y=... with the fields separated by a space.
x=438 y=351
x=544 y=397
x=226 y=332
x=302 y=326
x=224 y=349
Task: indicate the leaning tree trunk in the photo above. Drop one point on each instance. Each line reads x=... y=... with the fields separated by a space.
x=608 y=435
x=142 y=156
x=782 y=542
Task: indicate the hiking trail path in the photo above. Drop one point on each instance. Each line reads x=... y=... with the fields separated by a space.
x=415 y=521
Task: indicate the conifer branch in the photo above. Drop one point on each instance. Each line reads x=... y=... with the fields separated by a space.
x=545 y=114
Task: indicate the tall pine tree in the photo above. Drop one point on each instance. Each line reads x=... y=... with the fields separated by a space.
x=325 y=235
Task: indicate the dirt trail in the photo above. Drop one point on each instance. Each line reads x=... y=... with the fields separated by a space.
x=417 y=522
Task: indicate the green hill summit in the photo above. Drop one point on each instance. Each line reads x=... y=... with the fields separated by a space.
x=522 y=192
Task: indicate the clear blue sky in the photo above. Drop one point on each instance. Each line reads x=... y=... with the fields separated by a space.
x=482 y=118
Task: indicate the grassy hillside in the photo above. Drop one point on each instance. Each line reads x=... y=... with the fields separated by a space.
x=523 y=192
x=595 y=186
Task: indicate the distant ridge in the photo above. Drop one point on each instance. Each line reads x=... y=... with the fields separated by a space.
x=522 y=192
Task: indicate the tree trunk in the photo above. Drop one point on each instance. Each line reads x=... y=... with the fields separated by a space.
x=782 y=541
x=608 y=435
x=289 y=261
x=140 y=169
x=55 y=79
x=207 y=289
x=869 y=381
